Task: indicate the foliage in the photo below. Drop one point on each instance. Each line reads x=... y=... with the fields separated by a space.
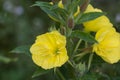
x=19 y=29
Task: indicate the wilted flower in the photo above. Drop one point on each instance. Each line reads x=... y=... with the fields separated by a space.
x=108 y=46
x=98 y=23
x=49 y=50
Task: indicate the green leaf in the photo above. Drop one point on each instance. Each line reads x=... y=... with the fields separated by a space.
x=22 y=49
x=89 y=16
x=40 y=72
x=53 y=11
x=84 y=36
x=46 y=7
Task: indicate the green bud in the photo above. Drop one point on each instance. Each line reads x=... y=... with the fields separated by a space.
x=84 y=5
x=71 y=23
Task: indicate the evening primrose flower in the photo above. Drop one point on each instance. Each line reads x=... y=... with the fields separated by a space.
x=98 y=23
x=49 y=50
x=108 y=46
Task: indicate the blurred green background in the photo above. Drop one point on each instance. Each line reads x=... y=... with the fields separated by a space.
x=20 y=24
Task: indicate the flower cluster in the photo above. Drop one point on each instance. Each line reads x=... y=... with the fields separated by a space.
x=108 y=46
x=50 y=49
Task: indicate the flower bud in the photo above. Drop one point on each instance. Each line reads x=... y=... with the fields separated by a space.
x=71 y=23
x=84 y=5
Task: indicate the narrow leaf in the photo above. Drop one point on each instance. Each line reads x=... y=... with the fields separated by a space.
x=22 y=49
x=89 y=16
x=47 y=8
x=90 y=60
x=84 y=36
x=41 y=4
x=39 y=72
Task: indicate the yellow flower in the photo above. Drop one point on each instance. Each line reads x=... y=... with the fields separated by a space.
x=108 y=46
x=49 y=50
x=98 y=23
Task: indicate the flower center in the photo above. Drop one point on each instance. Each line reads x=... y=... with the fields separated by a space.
x=56 y=51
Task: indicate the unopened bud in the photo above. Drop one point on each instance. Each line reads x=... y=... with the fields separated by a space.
x=84 y=5
x=71 y=23
x=62 y=30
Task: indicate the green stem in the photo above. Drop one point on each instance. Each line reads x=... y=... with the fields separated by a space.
x=81 y=54
x=70 y=63
x=77 y=46
x=60 y=74
x=55 y=70
x=86 y=44
x=90 y=60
